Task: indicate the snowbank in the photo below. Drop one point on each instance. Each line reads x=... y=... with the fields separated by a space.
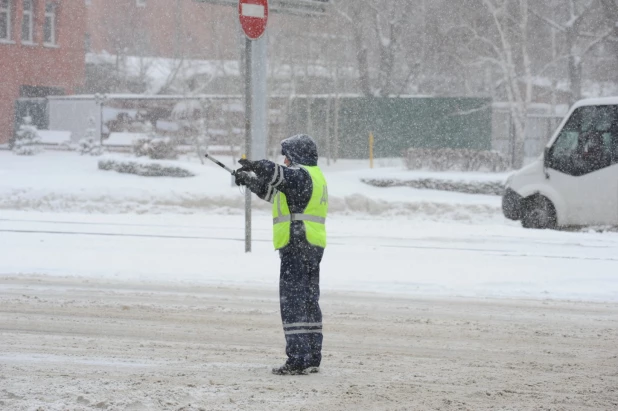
x=140 y=167
x=468 y=187
x=67 y=182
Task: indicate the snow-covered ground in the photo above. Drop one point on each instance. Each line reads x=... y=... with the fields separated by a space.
x=364 y=254
x=62 y=216
x=122 y=292
x=68 y=182
x=100 y=344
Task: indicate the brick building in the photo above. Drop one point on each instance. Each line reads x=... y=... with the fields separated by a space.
x=41 y=52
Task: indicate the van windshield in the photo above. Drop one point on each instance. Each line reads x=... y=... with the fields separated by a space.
x=588 y=141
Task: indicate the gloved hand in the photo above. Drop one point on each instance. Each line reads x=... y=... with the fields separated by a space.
x=247 y=165
x=241 y=178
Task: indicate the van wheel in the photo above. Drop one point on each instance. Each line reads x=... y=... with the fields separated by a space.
x=539 y=213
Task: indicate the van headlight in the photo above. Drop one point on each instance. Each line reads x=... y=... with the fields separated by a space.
x=507 y=183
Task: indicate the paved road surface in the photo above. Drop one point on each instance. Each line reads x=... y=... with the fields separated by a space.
x=88 y=344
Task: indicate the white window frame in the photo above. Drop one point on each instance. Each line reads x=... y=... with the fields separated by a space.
x=28 y=15
x=7 y=11
x=53 y=16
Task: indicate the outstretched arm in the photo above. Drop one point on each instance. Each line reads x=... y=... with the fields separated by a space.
x=255 y=185
x=271 y=178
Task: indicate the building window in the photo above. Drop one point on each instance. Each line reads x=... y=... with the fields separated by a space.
x=49 y=30
x=140 y=3
x=5 y=19
x=27 y=24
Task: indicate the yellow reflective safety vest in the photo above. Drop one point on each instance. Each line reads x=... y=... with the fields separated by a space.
x=313 y=217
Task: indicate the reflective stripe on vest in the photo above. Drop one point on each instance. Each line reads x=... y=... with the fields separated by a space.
x=313 y=217
x=299 y=217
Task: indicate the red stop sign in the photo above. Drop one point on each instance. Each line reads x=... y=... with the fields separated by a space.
x=253 y=16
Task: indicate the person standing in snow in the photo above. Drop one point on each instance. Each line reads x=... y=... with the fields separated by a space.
x=299 y=195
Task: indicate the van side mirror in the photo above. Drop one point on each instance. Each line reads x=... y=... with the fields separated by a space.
x=546 y=162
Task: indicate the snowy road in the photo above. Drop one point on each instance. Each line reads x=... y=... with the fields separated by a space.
x=383 y=255
x=87 y=344
x=166 y=312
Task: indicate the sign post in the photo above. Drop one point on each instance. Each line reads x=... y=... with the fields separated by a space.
x=253 y=16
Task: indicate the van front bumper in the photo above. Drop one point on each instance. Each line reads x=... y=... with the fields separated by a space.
x=512 y=205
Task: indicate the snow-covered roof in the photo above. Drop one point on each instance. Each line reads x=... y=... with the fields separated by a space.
x=537 y=109
x=122 y=139
x=230 y=107
x=600 y=101
x=186 y=108
x=54 y=137
x=144 y=97
x=160 y=71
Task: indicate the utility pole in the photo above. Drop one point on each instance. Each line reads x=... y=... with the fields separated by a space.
x=248 y=145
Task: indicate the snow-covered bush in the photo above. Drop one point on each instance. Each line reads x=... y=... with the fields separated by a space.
x=90 y=144
x=444 y=159
x=157 y=148
x=142 y=168
x=141 y=147
x=68 y=146
x=468 y=187
x=27 y=140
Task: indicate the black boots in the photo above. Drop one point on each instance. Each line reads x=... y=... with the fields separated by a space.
x=287 y=369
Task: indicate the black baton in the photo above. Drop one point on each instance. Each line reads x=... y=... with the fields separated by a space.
x=220 y=164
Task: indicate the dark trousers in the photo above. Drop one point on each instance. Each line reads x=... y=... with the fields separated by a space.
x=299 y=294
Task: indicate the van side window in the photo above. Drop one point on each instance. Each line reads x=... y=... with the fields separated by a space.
x=587 y=142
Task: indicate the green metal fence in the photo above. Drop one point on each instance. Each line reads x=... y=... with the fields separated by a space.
x=342 y=126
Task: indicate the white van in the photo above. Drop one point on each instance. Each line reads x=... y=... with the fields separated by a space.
x=575 y=181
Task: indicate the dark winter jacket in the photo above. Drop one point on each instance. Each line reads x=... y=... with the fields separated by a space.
x=294 y=181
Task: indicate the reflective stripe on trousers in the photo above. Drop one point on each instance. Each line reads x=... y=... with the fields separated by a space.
x=302 y=328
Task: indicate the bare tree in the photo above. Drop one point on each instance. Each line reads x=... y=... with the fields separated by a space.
x=504 y=45
x=610 y=10
x=384 y=35
x=577 y=46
